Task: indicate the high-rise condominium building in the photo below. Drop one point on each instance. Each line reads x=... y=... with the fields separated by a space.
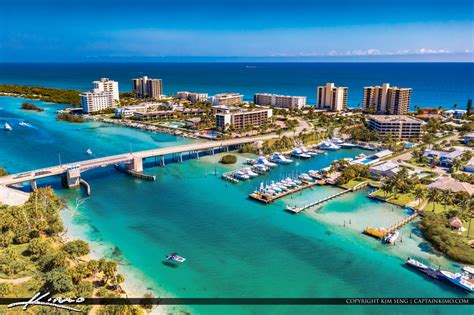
x=104 y=95
x=332 y=97
x=280 y=101
x=241 y=119
x=106 y=85
x=146 y=87
x=397 y=126
x=387 y=99
x=226 y=99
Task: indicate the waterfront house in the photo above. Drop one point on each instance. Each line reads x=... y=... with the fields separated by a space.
x=451 y=184
x=446 y=158
x=385 y=169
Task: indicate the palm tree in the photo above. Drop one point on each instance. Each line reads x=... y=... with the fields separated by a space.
x=434 y=196
x=419 y=194
x=387 y=187
x=446 y=198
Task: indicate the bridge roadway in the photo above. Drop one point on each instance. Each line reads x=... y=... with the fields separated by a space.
x=125 y=158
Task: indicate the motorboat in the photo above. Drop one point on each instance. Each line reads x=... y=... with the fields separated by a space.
x=248 y=171
x=299 y=153
x=7 y=127
x=305 y=177
x=327 y=145
x=337 y=141
x=348 y=145
x=241 y=175
x=263 y=160
x=89 y=151
x=280 y=158
x=460 y=280
x=415 y=264
x=174 y=257
x=468 y=269
x=306 y=151
x=260 y=168
x=391 y=238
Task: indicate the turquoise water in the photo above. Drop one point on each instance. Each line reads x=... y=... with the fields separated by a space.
x=234 y=247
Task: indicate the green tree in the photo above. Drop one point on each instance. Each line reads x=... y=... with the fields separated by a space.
x=76 y=248
x=434 y=197
x=39 y=247
x=58 y=280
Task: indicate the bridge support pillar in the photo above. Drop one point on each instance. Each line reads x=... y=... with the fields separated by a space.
x=136 y=164
x=72 y=178
x=181 y=158
x=162 y=160
x=213 y=152
x=33 y=185
x=227 y=148
x=197 y=155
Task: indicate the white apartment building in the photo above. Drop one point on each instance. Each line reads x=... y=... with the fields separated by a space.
x=387 y=99
x=96 y=101
x=226 y=99
x=192 y=97
x=107 y=85
x=332 y=97
x=280 y=101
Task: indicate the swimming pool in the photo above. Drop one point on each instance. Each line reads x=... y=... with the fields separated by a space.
x=173 y=124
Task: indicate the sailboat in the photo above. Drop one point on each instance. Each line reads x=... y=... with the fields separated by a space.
x=7 y=127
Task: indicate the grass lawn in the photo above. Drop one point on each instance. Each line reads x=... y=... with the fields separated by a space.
x=399 y=200
x=438 y=207
x=354 y=182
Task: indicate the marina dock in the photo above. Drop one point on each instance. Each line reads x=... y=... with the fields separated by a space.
x=229 y=176
x=267 y=198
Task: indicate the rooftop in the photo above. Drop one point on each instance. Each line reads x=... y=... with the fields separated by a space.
x=448 y=183
x=395 y=119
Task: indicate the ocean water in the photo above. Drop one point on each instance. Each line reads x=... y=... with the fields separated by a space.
x=234 y=247
x=434 y=84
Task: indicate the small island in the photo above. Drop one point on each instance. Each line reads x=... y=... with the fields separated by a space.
x=229 y=159
x=69 y=118
x=31 y=107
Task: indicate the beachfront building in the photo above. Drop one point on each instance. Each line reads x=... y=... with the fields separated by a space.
x=146 y=87
x=192 y=97
x=384 y=169
x=168 y=114
x=242 y=119
x=226 y=99
x=280 y=101
x=332 y=97
x=469 y=137
x=387 y=99
x=397 y=126
x=96 y=101
x=107 y=85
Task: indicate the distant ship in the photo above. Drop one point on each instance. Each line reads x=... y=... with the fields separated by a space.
x=7 y=127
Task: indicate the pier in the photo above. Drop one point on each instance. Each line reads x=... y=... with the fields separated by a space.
x=229 y=176
x=266 y=198
x=381 y=233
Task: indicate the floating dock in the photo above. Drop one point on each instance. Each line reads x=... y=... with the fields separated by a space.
x=267 y=198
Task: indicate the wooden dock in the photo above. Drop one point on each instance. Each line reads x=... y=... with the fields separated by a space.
x=229 y=176
x=299 y=209
x=381 y=233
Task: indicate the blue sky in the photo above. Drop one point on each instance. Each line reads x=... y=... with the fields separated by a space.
x=39 y=30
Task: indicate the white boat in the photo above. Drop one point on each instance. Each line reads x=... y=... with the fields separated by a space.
x=275 y=188
x=7 y=127
x=241 y=175
x=461 y=280
x=280 y=158
x=248 y=171
x=251 y=161
x=337 y=141
x=327 y=145
x=263 y=160
x=305 y=177
x=299 y=153
x=468 y=269
x=260 y=168
x=416 y=264
x=392 y=237
x=309 y=152
x=175 y=258
x=89 y=151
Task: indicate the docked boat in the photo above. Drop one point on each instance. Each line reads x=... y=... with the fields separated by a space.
x=241 y=175
x=260 y=168
x=248 y=171
x=7 y=127
x=327 y=145
x=305 y=150
x=468 y=269
x=305 y=177
x=391 y=238
x=300 y=154
x=460 y=280
x=337 y=141
x=416 y=264
x=347 y=145
x=174 y=257
x=263 y=160
x=251 y=161
x=279 y=158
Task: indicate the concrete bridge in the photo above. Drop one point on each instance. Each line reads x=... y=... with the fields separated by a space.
x=71 y=172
